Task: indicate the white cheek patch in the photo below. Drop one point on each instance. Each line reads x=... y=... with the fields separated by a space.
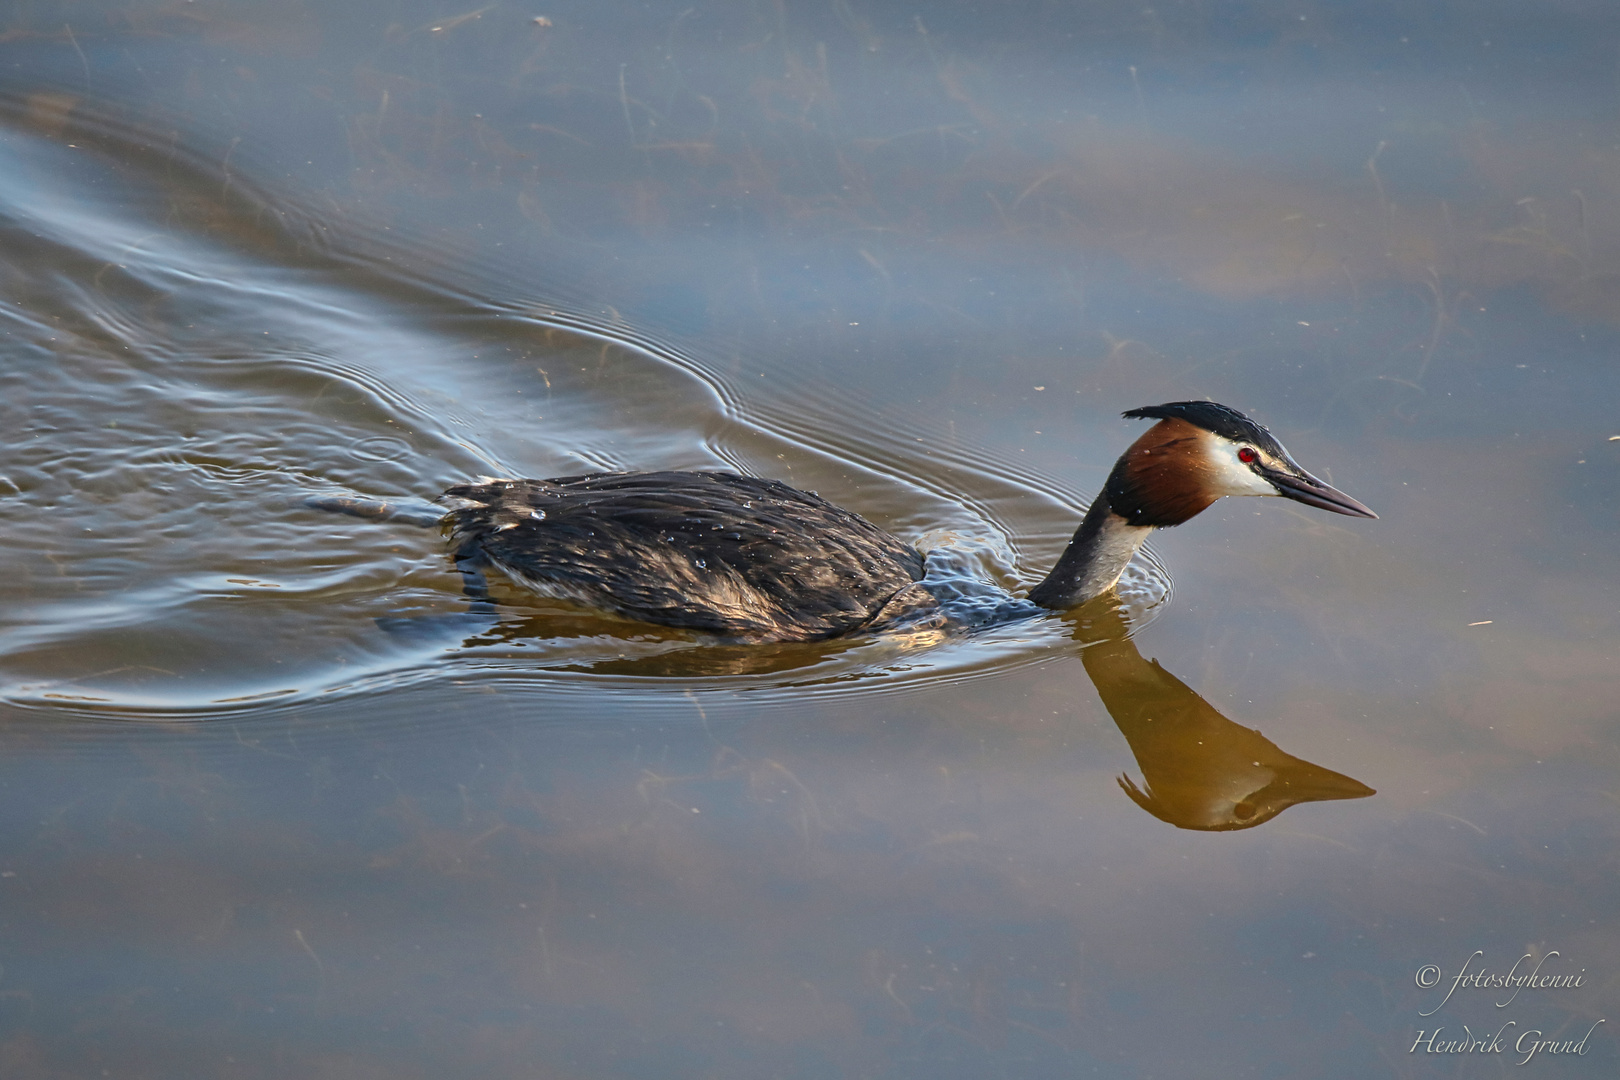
x=1228 y=475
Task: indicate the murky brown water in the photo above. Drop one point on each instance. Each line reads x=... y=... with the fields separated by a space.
x=276 y=804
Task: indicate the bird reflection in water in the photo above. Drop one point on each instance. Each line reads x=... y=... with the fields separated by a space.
x=1199 y=769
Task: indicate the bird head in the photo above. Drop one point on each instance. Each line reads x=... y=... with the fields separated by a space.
x=1200 y=451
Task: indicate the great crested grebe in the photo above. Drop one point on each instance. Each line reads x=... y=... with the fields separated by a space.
x=756 y=560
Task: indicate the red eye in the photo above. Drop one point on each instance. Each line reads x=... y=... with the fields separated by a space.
x=1248 y=456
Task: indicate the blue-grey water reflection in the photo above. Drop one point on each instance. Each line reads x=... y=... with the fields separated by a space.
x=276 y=804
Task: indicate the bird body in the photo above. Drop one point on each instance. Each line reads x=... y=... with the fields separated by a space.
x=749 y=558
x=757 y=560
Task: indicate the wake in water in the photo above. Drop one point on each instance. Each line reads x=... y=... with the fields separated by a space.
x=178 y=385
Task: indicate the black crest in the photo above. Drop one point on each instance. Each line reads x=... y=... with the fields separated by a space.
x=1222 y=420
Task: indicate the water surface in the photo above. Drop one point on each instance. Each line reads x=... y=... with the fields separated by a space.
x=278 y=805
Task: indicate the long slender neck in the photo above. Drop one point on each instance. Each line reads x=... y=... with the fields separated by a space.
x=1094 y=559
